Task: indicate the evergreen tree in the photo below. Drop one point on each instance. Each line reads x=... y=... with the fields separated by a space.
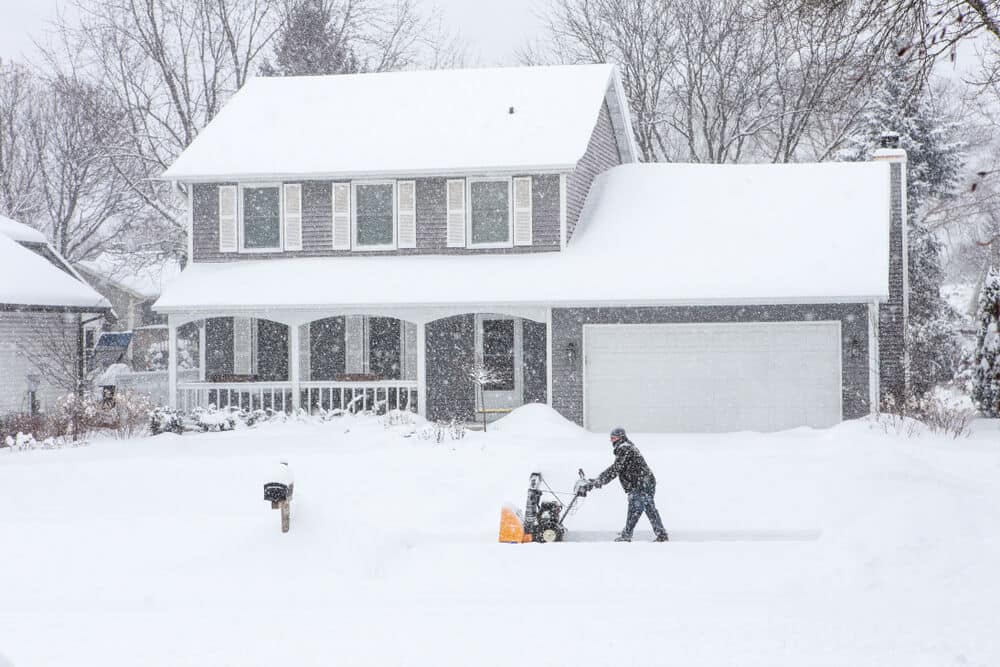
x=934 y=163
x=986 y=372
x=309 y=42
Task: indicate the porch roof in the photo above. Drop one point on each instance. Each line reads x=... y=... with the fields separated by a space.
x=650 y=234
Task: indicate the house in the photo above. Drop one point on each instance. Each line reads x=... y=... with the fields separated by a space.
x=375 y=237
x=47 y=313
x=132 y=282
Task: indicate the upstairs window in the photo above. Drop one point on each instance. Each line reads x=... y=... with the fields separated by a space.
x=261 y=215
x=489 y=213
x=374 y=218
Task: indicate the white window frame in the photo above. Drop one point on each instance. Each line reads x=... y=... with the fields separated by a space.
x=469 y=242
x=355 y=245
x=240 y=232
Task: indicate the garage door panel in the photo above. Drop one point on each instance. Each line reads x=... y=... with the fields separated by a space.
x=712 y=377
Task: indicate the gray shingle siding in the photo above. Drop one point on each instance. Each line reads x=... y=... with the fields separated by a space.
x=892 y=314
x=602 y=154
x=451 y=352
x=567 y=325
x=317 y=222
x=39 y=333
x=534 y=349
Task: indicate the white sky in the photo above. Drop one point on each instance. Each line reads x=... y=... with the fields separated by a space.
x=492 y=29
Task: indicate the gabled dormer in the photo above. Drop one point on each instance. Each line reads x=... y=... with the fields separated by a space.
x=439 y=162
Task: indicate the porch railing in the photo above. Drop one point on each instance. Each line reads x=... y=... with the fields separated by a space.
x=314 y=395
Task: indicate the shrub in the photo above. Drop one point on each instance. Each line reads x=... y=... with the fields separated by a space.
x=931 y=412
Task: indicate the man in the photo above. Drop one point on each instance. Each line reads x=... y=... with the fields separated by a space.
x=638 y=482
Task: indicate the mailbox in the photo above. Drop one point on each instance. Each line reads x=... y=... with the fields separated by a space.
x=279 y=492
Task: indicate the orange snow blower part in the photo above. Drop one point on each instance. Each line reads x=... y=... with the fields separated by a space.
x=511 y=526
x=542 y=521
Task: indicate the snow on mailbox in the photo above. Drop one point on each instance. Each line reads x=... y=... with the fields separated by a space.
x=279 y=492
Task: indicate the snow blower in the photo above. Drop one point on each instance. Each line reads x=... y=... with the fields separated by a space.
x=542 y=521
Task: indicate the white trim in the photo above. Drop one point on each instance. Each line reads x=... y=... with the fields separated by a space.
x=758 y=323
x=240 y=234
x=172 y=325
x=517 y=393
x=355 y=244
x=421 y=369
x=202 y=350
x=459 y=308
x=626 y=118
x=469 y=242
x=294 y=367
x=506 y=170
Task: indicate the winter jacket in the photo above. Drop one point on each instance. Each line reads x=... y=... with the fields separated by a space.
x=630 y=469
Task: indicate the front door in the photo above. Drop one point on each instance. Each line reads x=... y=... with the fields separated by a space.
x=499 y=349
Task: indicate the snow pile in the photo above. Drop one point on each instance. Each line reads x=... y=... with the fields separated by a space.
x=536 y=420
x=143 y=274
x=838 y=547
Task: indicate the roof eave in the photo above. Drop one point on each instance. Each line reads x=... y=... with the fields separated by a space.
x=355 y=175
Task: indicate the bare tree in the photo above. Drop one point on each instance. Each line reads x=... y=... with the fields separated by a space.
x=725 y=80
x=18 y=170
x=85 y=197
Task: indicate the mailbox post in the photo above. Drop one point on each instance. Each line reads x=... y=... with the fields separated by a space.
x=279 y=493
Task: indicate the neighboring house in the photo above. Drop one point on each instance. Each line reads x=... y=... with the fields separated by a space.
x=132 y=283
x=47 y=313
x=374 y=236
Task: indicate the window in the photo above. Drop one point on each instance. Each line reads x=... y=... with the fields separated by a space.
x=261 y=215
x=498 y=353
x=489 y=213
x=374 y=215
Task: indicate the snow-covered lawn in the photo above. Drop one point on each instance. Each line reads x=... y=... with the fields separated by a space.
x=805 y=548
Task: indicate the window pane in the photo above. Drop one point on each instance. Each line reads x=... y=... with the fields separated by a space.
x=374 y=214
x=490 y=211
x=261 y=218
x=498 y=353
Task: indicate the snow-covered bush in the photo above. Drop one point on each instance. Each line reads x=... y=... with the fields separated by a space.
x=165 y=420
x=128 y=414
x=438 y=430
x=986 y=370
x=215 y=419
x=931 y=412
x=22 y=442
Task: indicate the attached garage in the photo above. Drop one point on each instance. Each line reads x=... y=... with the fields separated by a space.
x=712 y=377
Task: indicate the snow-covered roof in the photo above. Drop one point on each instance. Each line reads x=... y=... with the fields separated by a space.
x=650 y=234
x=20 y=232
x=437 y=121
x=27 y=279
x=142 y=275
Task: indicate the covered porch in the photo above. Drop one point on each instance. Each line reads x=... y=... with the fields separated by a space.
x=352 y=359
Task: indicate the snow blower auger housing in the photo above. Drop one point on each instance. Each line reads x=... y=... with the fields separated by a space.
x=542 y=520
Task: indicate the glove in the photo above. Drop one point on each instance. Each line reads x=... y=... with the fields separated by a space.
x=592 y=484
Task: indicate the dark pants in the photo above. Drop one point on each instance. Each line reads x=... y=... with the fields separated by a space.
x=640 y=501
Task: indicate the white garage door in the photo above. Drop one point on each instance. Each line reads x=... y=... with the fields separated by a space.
x=712 y=377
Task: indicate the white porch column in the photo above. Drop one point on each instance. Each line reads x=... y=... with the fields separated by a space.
x=548 y=356
x=294 y=364
x=202 y=351
x=172 y=361
x=422 y=369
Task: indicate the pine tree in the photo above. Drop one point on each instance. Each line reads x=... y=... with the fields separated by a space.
x=309 y=43
x=986 y=373
x=934 y=163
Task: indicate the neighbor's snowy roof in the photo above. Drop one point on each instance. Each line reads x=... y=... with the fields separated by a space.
x=27 y=279
x=142 y=275
x=650 y=234
x=20 y=232
x=402 y=122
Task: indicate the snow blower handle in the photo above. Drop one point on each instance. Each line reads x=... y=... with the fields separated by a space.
x=582 y=485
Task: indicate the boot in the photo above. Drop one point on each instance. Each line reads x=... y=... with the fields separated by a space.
x=623 y=538
x=662 y=538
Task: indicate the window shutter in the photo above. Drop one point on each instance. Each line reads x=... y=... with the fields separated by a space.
x=456 y=213
x=341 y=216
x=522 y=211
x=293 y=216
x=227 y=218
x=406 y=215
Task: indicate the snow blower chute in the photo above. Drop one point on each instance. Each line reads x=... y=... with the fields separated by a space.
x=542 y=521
